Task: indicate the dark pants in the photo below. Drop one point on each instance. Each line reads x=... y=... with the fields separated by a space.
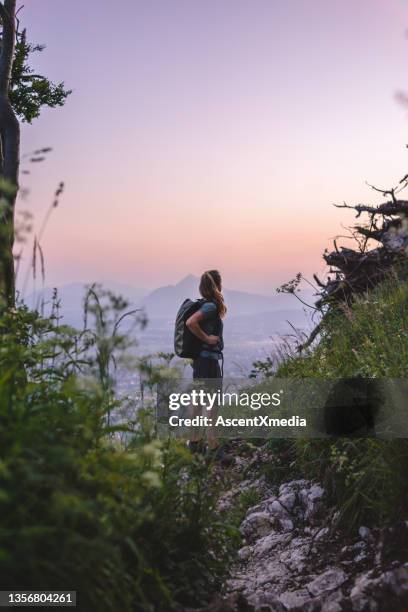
x=204 y=367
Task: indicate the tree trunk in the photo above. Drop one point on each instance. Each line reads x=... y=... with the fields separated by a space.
x=9 y=156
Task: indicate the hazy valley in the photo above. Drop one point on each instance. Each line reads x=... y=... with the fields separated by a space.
x=253 y=328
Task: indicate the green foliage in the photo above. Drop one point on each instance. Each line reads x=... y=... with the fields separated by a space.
x=128 y=529
x=369 y=339
x=370 y=480
x=29 y=91
x=104 y=343
x=236 y=513
x=263 y=367
x=367 y=478
x=283 y=465
x=186 y=543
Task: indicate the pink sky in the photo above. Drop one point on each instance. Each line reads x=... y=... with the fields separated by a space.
x=212 y=134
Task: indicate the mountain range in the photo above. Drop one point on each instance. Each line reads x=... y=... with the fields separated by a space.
x=253 y=327
x=163 y=303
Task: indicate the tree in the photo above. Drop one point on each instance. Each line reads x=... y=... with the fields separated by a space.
x=22 y=95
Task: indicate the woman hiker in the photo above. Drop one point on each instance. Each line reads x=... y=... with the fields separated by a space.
x=207 y=324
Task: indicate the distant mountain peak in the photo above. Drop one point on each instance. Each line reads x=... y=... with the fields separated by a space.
x=188 y=280
x=165 y=301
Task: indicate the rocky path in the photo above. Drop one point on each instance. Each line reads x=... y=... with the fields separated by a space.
x=294 y=559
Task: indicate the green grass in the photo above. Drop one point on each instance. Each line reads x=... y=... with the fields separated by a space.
x=237 y=512
x=366 y=478
x=369 y=339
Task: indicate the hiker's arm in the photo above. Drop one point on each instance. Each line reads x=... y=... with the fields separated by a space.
x=193 y=324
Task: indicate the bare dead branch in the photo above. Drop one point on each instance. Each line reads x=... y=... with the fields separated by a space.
x=318 y=281
x=18 y=20
x=388 y=208
x=384 y=192
x=316 y=331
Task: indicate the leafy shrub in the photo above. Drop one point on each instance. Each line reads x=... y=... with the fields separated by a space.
x=128 y=529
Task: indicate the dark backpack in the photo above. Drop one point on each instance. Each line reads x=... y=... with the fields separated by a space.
x=186 y=344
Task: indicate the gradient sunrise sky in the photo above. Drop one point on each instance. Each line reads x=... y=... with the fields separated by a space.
x=212 y=133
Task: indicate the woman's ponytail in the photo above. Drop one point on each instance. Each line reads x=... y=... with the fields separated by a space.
x=210 y=289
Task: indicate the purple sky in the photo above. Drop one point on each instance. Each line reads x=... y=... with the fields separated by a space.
x=213 y=133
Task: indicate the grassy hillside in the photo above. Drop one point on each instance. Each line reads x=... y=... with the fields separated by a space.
x=368 y=478
x=369 y=339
